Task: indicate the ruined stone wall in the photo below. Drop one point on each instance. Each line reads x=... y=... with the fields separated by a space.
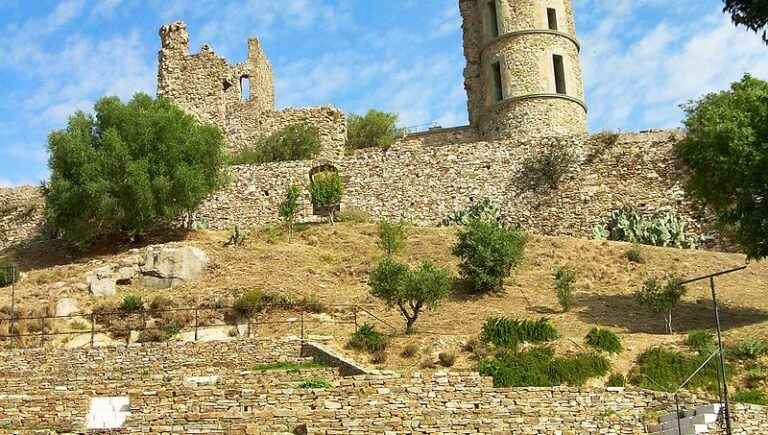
x=438 y=136
x=21 y=214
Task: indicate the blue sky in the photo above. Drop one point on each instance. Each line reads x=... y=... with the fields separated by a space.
x=641 y=58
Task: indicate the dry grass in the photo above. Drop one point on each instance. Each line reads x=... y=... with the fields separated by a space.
x=332 y=265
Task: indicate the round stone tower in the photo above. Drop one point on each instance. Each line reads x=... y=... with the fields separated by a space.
x=523 y=74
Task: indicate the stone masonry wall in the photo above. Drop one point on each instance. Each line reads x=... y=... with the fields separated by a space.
x=21 y=214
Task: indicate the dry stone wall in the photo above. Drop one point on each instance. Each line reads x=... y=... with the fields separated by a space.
x=21 y=214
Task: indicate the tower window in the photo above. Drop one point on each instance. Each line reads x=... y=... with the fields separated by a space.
x=557 y=60
x=552 y=18
x=493 y=19
x=498 y=90
x=245 y=88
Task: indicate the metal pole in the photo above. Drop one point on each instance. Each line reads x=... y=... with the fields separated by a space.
x=729 y=430
x=196 y=323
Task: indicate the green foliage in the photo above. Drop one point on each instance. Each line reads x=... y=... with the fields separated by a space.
x=8 y=275
x=664 y=229
x=295 y=142
x=488 y=252
x=447 y=359
x=254 y=301
x=750 y=13
x=484 y=210
x=748 y=350
x=392 y=236
x=617 y=380
x=664 y=370
x=367 y=338
x=314 y=384
x=545 y=169
x=565 y=279
x=662 y=297
x=726 y=150
x=701 y=341
x=411 y=291
x=326 y=191
x=132 y=303
x=755 y=397
x=289 y=207
x=129 y=167
x=538 y=367
x=290 y=366
x=508 y=333
x=635 y=254
x=375 y=129
x=605 y=340
x=756 y=376
x=237 y=237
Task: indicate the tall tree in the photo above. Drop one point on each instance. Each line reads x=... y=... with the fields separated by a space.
x=750 y=13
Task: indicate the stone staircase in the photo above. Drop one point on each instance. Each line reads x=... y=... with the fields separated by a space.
x=699 y=420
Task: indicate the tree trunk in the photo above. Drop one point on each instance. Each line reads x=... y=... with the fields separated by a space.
x=409 y=325
x=669 y=322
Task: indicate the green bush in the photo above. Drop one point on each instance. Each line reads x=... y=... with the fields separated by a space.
x=295 y=142
x=662 y=297
x=634 y=254
x=392 y=236
x=130 y=167
x=8 y=275
x=749 y=350
x=545 y=169
x=617 y=380
x=375 y=129
x=508 y=333
x=484 y=210
x=132 y=303
x=664 y=370
x=756 y=376
x=367 y=338
x=665 y=229
x=605 y=340
x=326 y=191
x=538 y=367
x=289 y=207
x=488 y=252
x=755 y=397
x=565 y=279
x=447 y=359
x=701 y=341
x=314 y=384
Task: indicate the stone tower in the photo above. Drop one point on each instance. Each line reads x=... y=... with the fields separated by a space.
x=523 y=75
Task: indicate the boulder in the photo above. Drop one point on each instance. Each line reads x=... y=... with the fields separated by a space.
x=102 y=282
x=66 y=307
x=169 y=266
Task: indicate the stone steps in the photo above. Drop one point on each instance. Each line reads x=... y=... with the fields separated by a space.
x=692 y=422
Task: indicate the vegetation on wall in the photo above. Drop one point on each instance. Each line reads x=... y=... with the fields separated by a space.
x=375 y=129
x=295 y=142
x=129 y=167
x=665 y=229
x=484 y=209
x=545 y=169
x=726 y=150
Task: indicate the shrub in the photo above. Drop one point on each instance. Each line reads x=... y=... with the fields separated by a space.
x=130 y=167
x=701 y=341
x=236 y=237
x=484 y=210
x=411 y=291
x=605 y=340
x=665 y=370
x=161 y=302
x=755 y=376
x=665 y=229
x=488 y=252
x=295 y=142
x=617 y=380
x=289 y=208
x=545 y=170
x=538 y=367
x=755 y=397
x=427 y=363
x=564 y=283
x=748 y=350
x=662 y=298
x=132 y=303
x=375 y=129
x=312 y=304
x=379 y=357
x=634 y=255
x=508 y=333
x=410 y=350
x=447 y=359
x=367 y=338
x=392 y=236
x=249 y=303
x=314 y=384
x=326 y=191
x=8 y=275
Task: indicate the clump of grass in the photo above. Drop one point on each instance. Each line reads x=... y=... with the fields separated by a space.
x=756 y=376
x=132 y=304
x=605 y=340
x=315 y=384
x=312 y=304
x=508 y=333
x=538 y=367
x=290 y=366
x=447 y=359
x=665 y=370
x=379 y=357
x=749 y=350
x=617 y=380
x=755 y=397
x=634 y=254
x=428 y=363
x=254 y=301
x=367 y=338
x=701 y=341
x=410 y=350
x=353 y=215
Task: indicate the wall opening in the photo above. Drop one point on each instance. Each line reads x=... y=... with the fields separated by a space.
x=245 y=88
x=498 y=89
x=557 y=60
x=552 y=18
x=493 y=19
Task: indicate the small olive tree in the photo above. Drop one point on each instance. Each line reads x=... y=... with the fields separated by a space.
x=326 y=191
x=289 y=208
x=392 y=236
x=411 y=291
x=662 y=297
x=375 y=129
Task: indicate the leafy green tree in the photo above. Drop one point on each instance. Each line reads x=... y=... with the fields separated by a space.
x=375 y=129
x=488 y=252
x=289 y=208
x=411 y=291
x=750 y=13
x=295 y=142
x=726 y=149
x=326 y=191
x=662 y=297
x=392 y=236
x=129 y=167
